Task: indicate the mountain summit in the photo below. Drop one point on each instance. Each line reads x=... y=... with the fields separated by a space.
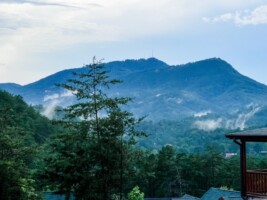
x=162 y=91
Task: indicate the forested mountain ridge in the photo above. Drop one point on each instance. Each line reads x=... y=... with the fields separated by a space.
x=162 y=91
x=14 y=112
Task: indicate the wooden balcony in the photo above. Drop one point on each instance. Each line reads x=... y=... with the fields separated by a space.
x=256 y=183
x=253 y=182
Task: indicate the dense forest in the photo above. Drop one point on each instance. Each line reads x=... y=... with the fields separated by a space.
x=23 y=131
x=94 y=149
x=187 y=139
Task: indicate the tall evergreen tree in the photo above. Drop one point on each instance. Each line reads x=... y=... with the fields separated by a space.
x=90 y=159
x=167 y=172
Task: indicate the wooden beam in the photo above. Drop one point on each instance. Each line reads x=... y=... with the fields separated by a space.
x=243 y=167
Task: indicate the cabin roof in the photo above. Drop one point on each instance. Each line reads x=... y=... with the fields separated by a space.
x=217 y=193
x=255 y=135
x=188 y=197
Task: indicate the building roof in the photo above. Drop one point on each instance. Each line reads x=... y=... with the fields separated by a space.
x=217 y=193
x=188 y=197
x=166 y=198
x=160 y=198
x=255 y=135
x=53 y=196
x=185 y=197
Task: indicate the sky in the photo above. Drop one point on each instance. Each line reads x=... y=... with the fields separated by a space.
x=41 y=37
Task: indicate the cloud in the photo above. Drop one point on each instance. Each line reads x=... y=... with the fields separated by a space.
x=61 y=24
x=240 y=122
x=47 y=3
x=208 y=125
x=53 y=100
x=56 y=96
x=49 y=109
x=13 y=1
x=202 y=114
x=30 y=31
x=242 y=119
x=243 y=17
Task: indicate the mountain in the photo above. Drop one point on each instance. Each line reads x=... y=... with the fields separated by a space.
x=162 y=91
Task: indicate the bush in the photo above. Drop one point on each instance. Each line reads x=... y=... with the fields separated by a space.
x=136 y=194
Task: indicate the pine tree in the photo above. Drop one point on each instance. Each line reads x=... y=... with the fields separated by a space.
x=90 y=158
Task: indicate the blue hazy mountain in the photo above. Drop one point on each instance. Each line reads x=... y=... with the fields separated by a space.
x=162 y=91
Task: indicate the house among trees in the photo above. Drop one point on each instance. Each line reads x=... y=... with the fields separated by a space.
x=253 y=182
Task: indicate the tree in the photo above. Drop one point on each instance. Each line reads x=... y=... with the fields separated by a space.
x=91 y=156
x=167 y=173
x=212 y=167
x=136 y=194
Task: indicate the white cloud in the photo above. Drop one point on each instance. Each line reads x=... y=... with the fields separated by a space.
x=240 y=122
x=202 y=114
x=45 y=28
x=29 y=30
x=242 y=119
x=208 y=125
x=53 y=100
x=243 y=17
x=57 y=96
x=49 y=109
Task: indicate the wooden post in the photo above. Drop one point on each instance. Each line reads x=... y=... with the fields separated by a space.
x=243 y=169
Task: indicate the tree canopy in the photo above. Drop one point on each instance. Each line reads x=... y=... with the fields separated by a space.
x=91 y=157
x=21 y=130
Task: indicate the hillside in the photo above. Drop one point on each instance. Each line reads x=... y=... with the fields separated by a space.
x=22 y=131
x=14 y=112
x=162 y=91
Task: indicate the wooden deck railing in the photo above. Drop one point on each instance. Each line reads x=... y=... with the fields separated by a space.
x=256 y=182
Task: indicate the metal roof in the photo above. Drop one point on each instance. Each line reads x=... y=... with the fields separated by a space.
x=217 y=193
x=53 y=196
x=254 y=135
x=185 y=197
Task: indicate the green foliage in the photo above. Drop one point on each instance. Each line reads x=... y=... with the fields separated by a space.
x=135 y=194
x=167 y=173
x=14 y=112
x=184 y=137
x=90 y=158
x=93 y=155
x=21 y=129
